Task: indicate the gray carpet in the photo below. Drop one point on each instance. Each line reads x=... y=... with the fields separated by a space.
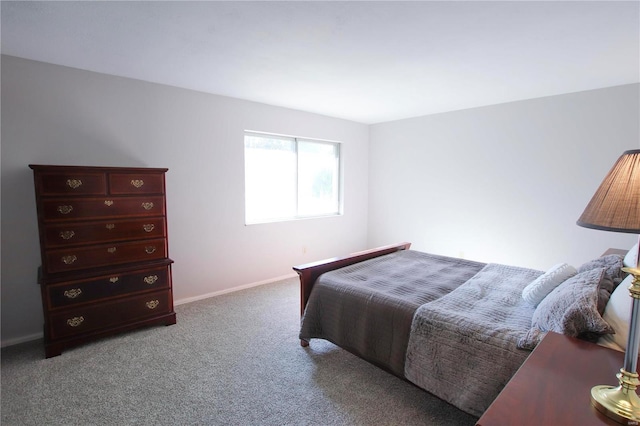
x=230 y=360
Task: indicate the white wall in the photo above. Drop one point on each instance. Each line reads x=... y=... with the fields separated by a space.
x=59 y=115
x=504 y=183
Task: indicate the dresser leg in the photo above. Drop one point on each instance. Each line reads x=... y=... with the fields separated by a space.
x=171 y=320
x=52 y=349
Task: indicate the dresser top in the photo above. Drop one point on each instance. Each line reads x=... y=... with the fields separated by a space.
x=553 y=386
x=56 y=168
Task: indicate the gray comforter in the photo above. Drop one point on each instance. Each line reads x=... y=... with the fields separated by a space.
x=367 y=308
x=465 y=346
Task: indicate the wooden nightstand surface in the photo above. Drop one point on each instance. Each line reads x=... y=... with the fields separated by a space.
x=553 y=386
x=621 y=252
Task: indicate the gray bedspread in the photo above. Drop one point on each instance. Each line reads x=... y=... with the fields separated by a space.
x=367 y=308
x=464 y=346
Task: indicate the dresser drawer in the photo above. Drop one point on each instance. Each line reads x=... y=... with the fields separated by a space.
x=72 y=233
x=83 y=319
x=80 y=183
x=83 y=257
x=95 y=208
x=136 y=183
x=89 y=290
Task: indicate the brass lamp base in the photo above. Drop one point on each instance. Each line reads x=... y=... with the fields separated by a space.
x=621 y=403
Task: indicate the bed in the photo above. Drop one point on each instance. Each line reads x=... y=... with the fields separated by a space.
x=457 y=328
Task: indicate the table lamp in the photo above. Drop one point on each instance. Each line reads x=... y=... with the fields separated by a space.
x=616 y=207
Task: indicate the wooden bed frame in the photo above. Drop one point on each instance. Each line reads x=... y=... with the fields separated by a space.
x=309 y=272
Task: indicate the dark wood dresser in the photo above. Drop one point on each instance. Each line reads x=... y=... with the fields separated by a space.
x=103 y=242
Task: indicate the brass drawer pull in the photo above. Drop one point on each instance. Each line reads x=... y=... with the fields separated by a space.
x=147 y=205
x=114 y=280
x=137 y=183
x=111 y=250
x=65 y=209
x=110 y=226
x=75 y=321
x=150 y=279
x=108 y=203
x=67 y=235
x=150 y=249
x=74 y=183
x=68 y=260
x=152 y=304
x=73 y=293
x=148 y=227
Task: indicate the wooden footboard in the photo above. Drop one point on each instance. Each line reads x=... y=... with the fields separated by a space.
x=309 y=272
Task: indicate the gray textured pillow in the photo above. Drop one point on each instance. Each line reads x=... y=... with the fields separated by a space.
x=572 y=307
x=530 y=340
x=612 y=263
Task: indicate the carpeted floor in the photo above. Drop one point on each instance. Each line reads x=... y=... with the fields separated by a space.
x=230 y=360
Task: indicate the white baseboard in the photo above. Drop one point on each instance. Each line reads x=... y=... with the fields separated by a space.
x=232 y=290
x=36 y=336
x=23 y=339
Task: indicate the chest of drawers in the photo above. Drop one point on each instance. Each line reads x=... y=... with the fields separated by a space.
x=105 y=257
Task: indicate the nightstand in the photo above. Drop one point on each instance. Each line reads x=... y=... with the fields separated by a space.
x=553 y=386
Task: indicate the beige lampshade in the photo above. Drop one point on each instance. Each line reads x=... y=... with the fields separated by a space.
x=616 y=204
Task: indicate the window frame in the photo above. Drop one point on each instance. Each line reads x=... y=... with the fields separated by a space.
x=297 y=139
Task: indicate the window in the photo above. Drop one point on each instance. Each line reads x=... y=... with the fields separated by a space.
x=290 y=178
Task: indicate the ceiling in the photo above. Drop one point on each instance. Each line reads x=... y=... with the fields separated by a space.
x=368 y=62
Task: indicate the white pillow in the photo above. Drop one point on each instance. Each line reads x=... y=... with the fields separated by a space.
x=618 y=314
x=631 y=259
x=538 y=289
